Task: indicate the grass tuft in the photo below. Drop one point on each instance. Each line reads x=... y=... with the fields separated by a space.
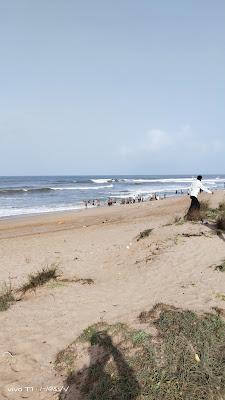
x=179 y=220
x=6 y=297
x=184 y=362
x=144 y=234
x=39 y=278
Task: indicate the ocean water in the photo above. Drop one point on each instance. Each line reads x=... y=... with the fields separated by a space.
x=31 y=195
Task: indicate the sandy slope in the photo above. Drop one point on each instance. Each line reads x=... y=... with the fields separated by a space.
x=129 y=276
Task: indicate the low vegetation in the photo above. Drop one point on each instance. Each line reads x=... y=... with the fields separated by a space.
x=144 y=234
x=39 y=278
x=6 y=297
x=184 y=361
x=220 y=267
x=179 y=220
x=204 y=205
x=220 y=223
x=222 y=206
x=220 y=296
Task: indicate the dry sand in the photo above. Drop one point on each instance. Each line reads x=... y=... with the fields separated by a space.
x=129 y=276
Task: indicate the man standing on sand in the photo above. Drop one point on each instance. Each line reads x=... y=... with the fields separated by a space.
x=195 y=188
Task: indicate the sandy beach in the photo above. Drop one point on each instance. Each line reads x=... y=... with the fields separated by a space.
x=173 y=265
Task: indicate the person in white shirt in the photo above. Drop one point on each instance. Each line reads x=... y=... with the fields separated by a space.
x=195 y=189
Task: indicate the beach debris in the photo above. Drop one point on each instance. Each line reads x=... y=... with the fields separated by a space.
x=197 y=358
x=83 y=281
x=8 y=353
x=128 y=247
x=193 y=234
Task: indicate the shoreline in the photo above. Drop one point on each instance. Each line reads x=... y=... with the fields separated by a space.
x=84 y=213
x=36 y=224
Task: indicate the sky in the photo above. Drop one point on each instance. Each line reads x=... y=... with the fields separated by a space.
x=112 y=87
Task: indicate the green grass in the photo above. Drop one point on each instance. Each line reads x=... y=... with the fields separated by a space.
x=186 y=361
x=6 y=297
x=39 y=278
x=144 y=234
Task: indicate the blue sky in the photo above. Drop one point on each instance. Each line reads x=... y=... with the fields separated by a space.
x=109 y=87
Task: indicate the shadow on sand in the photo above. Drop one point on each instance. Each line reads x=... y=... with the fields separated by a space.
x=108 y=376
x=216 y=231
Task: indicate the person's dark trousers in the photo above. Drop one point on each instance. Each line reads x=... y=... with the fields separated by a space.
x=194 y=210
x=195 y=205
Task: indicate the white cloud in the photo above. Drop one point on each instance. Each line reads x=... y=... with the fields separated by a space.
x=184 y=144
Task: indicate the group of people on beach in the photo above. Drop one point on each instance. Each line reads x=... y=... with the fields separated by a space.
x=193 y=191
x=125 y=200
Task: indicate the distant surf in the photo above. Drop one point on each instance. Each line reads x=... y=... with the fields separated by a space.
x=31 y=195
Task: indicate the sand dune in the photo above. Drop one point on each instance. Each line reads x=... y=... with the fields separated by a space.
x=129 y=276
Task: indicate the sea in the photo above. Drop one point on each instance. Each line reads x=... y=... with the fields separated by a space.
x=21 y=195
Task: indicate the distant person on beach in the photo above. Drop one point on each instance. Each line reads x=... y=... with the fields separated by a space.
x=196 y=187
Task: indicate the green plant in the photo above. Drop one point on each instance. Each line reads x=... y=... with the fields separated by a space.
x=185 y=361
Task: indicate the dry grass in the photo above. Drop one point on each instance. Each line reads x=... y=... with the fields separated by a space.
x=144 y=234
x=83 y=281
x=39 y=278
x=186 y=361
x=179 y=220
x=220 y=223
x=222 y=206
x=204 y=205
x=6 y=297
x=220 y=267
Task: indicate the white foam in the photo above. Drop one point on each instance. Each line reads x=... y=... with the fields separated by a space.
x=170 y=180
x=105 y=180
x=82 y=187
x=7 y=212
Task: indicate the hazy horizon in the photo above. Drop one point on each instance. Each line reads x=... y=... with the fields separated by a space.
x=120 y=88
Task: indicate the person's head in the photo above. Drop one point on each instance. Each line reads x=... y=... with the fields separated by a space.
x=199 y=177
